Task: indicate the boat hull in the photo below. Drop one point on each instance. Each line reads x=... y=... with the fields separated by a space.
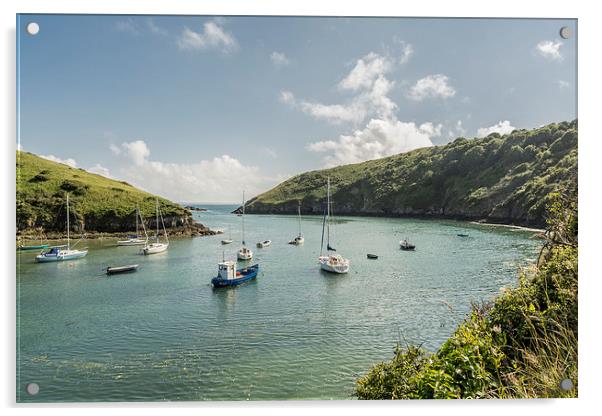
x=154 y=249
x=338 y=268
x=31 y=248
x=132 y=242
x=122 y=269
x=247 y=274
x=264 y=244
x=78 y=254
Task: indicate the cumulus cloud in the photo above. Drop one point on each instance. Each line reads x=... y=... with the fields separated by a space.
x=100 y=170
x=68 y=162
x=550 y=50
x=502 y=127
x=279 y=59
x=371 y=87
x=431 y=86
x=407 y=50
x=220 y=179
x=213 y=36
x=139 y=26
x=380 y=138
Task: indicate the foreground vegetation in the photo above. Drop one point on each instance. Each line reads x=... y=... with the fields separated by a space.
x=522 y=345
x=97 y=203
x=497 y=178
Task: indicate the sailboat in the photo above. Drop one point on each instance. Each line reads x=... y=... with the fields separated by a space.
x=244 y=253
x=297 y=241
x=134 y=240
x=333 y=263
x=64 y=252
x=157 y=246
x=229 y=239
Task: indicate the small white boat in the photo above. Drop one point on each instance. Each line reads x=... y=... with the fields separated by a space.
x=227 y=241
x=157 y=246
x=299 y=240
x=134 y=240
x=333 y=263
x=264 y=244
x=61 y=253
x=244 y=253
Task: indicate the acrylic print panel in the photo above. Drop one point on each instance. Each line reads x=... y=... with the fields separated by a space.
x=283 y=208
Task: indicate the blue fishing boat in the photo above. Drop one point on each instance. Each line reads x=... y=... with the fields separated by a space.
x=229 y=276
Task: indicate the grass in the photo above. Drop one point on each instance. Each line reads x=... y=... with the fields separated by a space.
x=498 y=178
x=521 y=345
x=96 y=202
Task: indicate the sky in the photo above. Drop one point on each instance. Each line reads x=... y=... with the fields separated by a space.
x=200 y=108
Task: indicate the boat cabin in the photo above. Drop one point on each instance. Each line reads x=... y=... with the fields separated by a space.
x=226 y=270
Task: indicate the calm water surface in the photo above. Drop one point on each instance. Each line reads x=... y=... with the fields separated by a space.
x=163 y=333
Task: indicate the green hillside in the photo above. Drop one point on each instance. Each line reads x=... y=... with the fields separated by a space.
x=96 y=203
x=497 y=178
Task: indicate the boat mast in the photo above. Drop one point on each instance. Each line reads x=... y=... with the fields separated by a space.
x=299 y=217
x=68 y=245
x=136 y=221
x=328 y=215
x=243 y=218
x=157 y=220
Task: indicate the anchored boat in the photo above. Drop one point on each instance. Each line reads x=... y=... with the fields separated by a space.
x=244 y=253
x=135 y=240
x=333 y=263
x=64 y=252
x=297 y=241
x=406 y=246
x=122 y=269
x=157 y=246
x=229 y=276
x=264 y=244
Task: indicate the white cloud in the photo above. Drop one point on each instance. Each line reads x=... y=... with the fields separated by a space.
x=100 y=170
x=279 y=59
x=68 y=162
x=153 y=28
x=213 y=36
x=550 y=50
x=407 y=50
x=502 y=127
x=287 y=97
x=380 y=138
x=221 y=179
x=366 y=71
x=139 y=27
x=128 y=25
x=270 y=152
x=431 y=86
x=562 y=84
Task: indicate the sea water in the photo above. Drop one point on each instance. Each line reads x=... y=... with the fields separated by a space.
x=163 y=333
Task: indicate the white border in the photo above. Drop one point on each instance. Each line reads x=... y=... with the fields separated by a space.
x=589 y=155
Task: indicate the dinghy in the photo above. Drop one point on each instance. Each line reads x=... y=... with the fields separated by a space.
x=31 y=248
x=406 y=246
x=61 y=253
x=229 y=239
x=332 y=263
x=157 y=246
x=229 y=276
x=244 y=253
x=372 y=256
x=122 y=269
x=264 y=244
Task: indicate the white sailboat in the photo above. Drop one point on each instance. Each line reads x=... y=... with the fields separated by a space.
x=135 y=240
x=299 y=240
x=244 y=253
x=157 y=246
x=229 y=239
x=333 y=263
x=61 y=253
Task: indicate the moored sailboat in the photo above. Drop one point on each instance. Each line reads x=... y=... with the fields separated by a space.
x=332 y=263
x=299 y=240
x=64 y=252
x=157 y=246
x=134 y=240
x=244 y=253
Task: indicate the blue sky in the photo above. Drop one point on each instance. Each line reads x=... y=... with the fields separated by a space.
x=199 y=108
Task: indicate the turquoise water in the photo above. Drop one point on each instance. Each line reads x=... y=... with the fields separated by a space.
x=163 y=333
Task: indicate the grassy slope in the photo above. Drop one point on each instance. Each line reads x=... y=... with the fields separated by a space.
x=522 y=345
x=100 y=203
x=502 y=179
